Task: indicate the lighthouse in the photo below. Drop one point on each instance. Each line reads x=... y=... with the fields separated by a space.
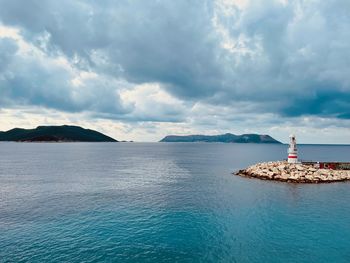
x=292 y=150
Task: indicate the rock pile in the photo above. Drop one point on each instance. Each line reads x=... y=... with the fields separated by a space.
x=294 y=173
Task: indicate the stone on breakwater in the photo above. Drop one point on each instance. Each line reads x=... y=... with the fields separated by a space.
x=295 y=173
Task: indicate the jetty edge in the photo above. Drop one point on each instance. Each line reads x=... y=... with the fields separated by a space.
x=294 y=173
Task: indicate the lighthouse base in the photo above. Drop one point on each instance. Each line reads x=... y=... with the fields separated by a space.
x=293 y=157
x=293 y=160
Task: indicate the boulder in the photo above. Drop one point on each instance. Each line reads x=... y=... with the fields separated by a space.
x=284 y=176
x=300 y=168
x=284 y=171
x=281 y=167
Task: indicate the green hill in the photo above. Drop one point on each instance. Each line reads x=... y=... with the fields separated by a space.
x=63 y=133
x=225 y=138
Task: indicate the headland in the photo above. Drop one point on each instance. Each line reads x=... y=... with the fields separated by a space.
x=64 y=133
x=223 y=138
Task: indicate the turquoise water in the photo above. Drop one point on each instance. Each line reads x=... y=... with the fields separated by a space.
x=164 y=202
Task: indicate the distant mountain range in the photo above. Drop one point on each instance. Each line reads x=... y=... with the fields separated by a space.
x=226 y=138
x=63 y=133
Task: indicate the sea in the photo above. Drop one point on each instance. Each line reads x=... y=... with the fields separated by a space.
x=166 y=202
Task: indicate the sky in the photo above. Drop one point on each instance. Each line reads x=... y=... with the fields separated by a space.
x=139 y=70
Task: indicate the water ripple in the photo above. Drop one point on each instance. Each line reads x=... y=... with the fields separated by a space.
x=164 y=203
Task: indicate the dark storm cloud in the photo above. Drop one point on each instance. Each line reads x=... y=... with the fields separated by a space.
x=304 y=64
x=287 y=58
x=324 y=103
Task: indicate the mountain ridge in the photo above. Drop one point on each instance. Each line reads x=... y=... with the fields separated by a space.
x=63 y=133
x=225 y=138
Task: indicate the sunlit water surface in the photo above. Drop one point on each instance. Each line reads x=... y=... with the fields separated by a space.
x=165 y=202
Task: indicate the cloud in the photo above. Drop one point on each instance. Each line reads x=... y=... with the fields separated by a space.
x=144 y=41
x=151 y=103
x=28 y=76
x=156 y=61
x=292 y=55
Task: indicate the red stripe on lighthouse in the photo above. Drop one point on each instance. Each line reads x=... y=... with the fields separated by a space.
x=290 y=156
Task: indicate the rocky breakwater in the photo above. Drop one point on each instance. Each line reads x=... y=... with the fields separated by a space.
x=294 y=173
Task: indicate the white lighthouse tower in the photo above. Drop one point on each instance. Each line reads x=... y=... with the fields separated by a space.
x=292 y=150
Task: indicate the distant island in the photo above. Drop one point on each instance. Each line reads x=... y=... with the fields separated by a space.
x=64 y=133
x=225 y=138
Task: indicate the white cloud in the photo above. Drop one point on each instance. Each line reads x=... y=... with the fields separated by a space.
x=152 y=103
